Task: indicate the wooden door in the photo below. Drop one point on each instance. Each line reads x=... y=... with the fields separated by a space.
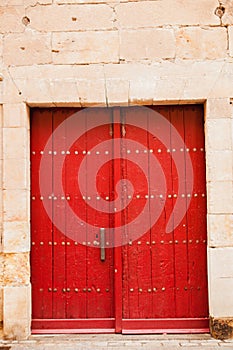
x=155 y=281
x=165 y=274
x=71 y=287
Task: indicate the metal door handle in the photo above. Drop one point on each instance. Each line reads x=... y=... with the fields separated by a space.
x=102 y=244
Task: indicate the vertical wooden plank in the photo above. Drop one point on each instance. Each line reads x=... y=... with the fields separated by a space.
x=162 y=242
x=196 y=215
x=59 y=217
x=41 y=226
x=76 y=257
x=141 y=297
x=117 y=223
x=180 y=242
x=99 y=273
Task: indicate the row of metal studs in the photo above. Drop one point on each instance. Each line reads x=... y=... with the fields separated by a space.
x=137 y=151
x=138 y=196
x=98 y=290
x=130 y=243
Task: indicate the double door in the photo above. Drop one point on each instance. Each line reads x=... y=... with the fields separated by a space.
x=105 y=185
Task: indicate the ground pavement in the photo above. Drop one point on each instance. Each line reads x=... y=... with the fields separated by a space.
x=118 y=342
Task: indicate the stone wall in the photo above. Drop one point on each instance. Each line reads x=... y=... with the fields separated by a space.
x=99 y=52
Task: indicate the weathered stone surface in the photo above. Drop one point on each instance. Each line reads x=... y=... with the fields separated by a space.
x=220 y=260
x=201 y=43
x=93 y=91
x=11 y=19
x=58 y=72
x=227 y=6
x=218 y=108
x=142 y=91
x=219 y=165
x=147 y=44
x=158 y=13
x=15 y=174
x=15 y=115
x=27 y=48
x=16 y=237
x=220 y=230
x=219 y=134
x=86 y=47
x=12 y=275
x=16 y=205
x=35 y=2
x=1 y=305
x=70 y=17
x=17 y=149
x=17 y=312
x=113 y=87
x=221 y=328
x=220 y=197
x=230 y=33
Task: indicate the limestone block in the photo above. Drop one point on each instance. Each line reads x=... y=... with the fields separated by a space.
x=16 y=205
x=64 y=91
x=166 y=12
x=15 y=115
x=11 y=94
x=61 y=2
x=221 y=297
x=221 y=281
x=16 y=269
x=85 y=47
x=11 y=2
x=220 y=197
x=92 y=93
x=15 y=173
x=1 y=48
x=220 y=230
x=16 y=237
x=1 y=268
x=117 y=92
x=15 y=143
x=1 y=304
x=147 y=44
x=57 y=72
x=221 y=262
x=17 y=312
x=227 y=18
x=218 y=134
x=218 y=108
x=27 y=48
x=201 y=43
x=142 y=91
x=219 y=165
x=230 y=33
x=170 y=89
x=70 y=17
x=222 y=78
x=34 y=2
x=11 y=19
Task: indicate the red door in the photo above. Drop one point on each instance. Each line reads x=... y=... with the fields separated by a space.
x=105 y=185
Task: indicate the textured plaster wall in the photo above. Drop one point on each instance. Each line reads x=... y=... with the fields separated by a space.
x=97 y=52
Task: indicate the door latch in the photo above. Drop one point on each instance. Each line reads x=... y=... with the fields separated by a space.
x=102 y=244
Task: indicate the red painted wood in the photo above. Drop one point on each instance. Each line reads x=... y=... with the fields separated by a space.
x=92 y=325
x=41 y=230
x=166 y=325
x=163 y=248
x=99 y=273
x=117 y=172
x=180 y=236
x=196 y=215
x=155 y=283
